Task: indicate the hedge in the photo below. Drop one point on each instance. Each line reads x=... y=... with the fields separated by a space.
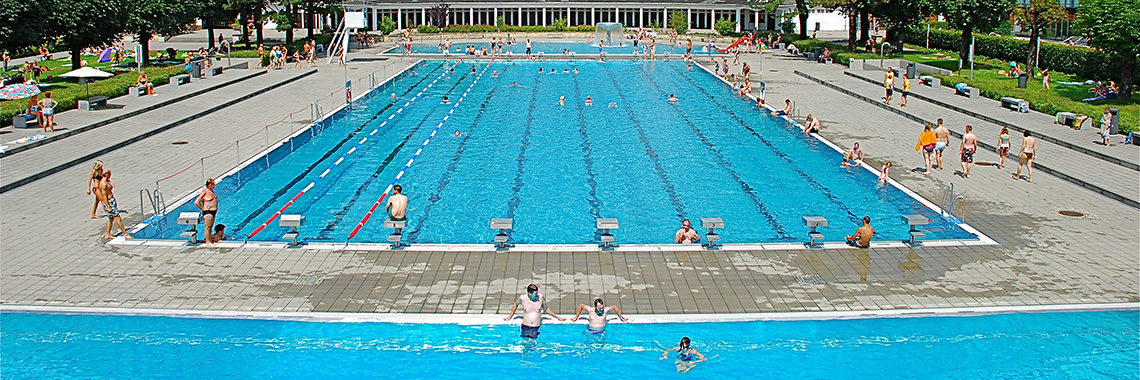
x=1082 y=62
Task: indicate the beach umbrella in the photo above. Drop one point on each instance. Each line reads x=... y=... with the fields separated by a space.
x=18 y=91
x=106 y=55
x=87 y=72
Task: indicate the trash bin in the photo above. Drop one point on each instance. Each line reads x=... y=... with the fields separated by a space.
x=1022 y=80
x=1114 y=128
x=196 y=69
x=911 y=70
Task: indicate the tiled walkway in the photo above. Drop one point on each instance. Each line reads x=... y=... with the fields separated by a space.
x=52 y=256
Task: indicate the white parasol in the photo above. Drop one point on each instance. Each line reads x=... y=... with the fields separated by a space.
x=87 y=72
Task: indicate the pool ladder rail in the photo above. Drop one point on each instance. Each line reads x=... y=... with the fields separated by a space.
x=952 y=203
x=155 y=198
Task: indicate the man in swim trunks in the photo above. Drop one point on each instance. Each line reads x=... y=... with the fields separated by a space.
x=968 y=148
x=533 y=303
x=105 y=192
x=686 y=235
x=905 y=90
x=942 y=135
x=889 y=84
x=597 y=315
x=687 y=357
x=787 y=109
x=672 y=98
x=862 y=236
x=397 y=204
x=1028 y=150
x=812 y=125
x=207 y=201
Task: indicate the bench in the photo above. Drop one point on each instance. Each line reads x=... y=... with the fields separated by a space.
x=136 y=91
x=915 y=220
x=969 y=92
x=1073 y=120
x=212 y=71
x=826 y=60
x=810 y=56
x=22 y=121
x=92 y=103
x=813 y=235
x=1019 y=105
x=930 y=81
x=180 y=79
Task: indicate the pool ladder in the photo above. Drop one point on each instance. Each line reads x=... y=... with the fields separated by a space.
x=952 y=203
x=156 y=199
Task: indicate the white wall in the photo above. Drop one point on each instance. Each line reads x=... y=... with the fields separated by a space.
x=828 y=20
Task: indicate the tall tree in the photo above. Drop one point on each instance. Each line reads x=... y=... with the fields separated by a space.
x=16 y=32
x=81 y=24
x=213 y=14
x=252 y=16
x=803 y=9
x=971 y=16
x=313 y=9
x=148 y=18
x=1113 y=25
x=1036 y=15
x=897 y=15
x=438 y=14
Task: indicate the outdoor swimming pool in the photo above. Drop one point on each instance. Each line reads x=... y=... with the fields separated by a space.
x=556 y=48
x=554 y=168
x=1073 y=345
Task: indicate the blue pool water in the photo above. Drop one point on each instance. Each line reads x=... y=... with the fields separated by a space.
x=555 y=168
x=556 y=48
x=1085 y=345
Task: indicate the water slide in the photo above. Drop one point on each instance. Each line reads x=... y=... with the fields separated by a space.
x=742 y=39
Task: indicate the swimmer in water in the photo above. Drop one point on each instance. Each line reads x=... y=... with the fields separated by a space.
x=672 y=98
x=597 y=316
x=561 y=100
x=575 y=70
x=514 y=84
x=589 y=101
x=687 y=356
x=457 y=133
x=533 y=303
x=565 y=70
x=540 y=69
x=494 y=73
x=393 y=96
x=612 y=105
x=445 y=100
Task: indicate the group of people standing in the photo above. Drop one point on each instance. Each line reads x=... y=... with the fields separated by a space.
x=933 y=140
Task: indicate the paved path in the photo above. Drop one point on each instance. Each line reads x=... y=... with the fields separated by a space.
x=52 y=254
x=1069 y=164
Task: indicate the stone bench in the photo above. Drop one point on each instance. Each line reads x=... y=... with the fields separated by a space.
x=970 y=92
x=1015 y=104
x=180 y=79
x=930 y=81
x=22 y=121
x=826 y=60
x=136 y=91
x=1073 y=120
x=92 y=103
x=212 y=71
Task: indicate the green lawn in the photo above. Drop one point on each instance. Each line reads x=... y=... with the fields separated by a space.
x=1059 y=98
x=67 y=91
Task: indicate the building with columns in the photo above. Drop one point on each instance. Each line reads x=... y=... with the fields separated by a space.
x=701 y=14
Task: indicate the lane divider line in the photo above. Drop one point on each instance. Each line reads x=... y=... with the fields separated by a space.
x=417 y=154
x=350 y=151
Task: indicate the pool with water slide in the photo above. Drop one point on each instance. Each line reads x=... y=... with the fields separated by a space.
x=1058 y=345
x=510 y=149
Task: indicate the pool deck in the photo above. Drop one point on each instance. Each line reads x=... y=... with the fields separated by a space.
x=52 y=255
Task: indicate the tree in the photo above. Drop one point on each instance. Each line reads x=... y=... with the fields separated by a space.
x=252 y=16
x=1036 y=15
x=213 y=14
x=313 y=8
x=16 y=32
x=1114 y=26
x=969 y=16
x=162 y=17
x=897 y=15
x=802 y=11
x=437 y=15
x=679 y=22
x=80 y=24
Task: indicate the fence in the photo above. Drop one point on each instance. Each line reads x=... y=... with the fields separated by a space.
x=192 y=177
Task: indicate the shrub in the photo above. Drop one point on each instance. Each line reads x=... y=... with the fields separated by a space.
x=387 y=25
x=559 y=24
x=725 y=27
x=787 y=26
x=427 y=29
x=500 y=21
x=679 y=22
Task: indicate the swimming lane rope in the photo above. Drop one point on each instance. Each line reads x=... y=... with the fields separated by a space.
x=417 y=154
x=350 y=151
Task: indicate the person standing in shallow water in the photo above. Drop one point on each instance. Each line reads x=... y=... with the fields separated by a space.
x=687 y=356
x=597 y=315
x=533 y=303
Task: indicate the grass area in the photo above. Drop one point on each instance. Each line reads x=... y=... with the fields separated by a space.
x=1059 y=98
x=68 y=92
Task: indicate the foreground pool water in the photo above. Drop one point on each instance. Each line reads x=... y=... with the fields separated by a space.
x=1004 y=346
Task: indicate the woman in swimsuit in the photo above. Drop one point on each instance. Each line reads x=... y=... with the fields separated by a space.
x=687 y=357
x=926 y=142
x=1028 y=150
x=93 y=183
x=1003 y=147
x=207 y=201
x=47 y=109
x=144 y=83
x=597 y=316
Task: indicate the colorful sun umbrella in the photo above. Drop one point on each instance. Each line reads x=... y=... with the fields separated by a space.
x=18 y=91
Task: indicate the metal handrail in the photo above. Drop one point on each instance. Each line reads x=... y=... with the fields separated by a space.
x=961 y=200
x=948 y=198
x=142 y=205
x=159 y=199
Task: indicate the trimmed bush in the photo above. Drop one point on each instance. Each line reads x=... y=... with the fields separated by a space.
x=725 y=27
x=457 y=28
x=679 y=22
x=1082 y=62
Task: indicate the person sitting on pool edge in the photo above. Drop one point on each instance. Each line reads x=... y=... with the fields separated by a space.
x=397 y=204
x=687 y=356
x=533 y=303
x=686 y=235
x=787 y=109
x=862 y=236
x=597 y=315
x=853 y=156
